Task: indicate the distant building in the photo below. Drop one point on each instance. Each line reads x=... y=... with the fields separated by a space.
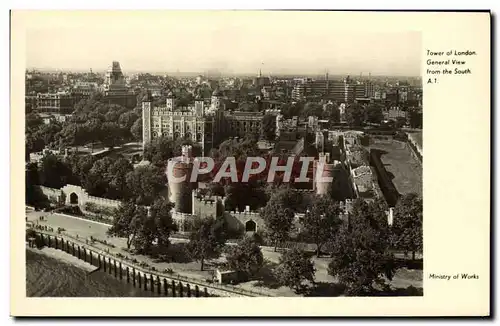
x=116 y=90
x=341 y=91
x=261 y=81
x=55 y=103
x=85 y=88
x=369 y=89
x=268 y=92
x=204 y=124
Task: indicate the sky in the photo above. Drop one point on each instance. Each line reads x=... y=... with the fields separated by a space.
x=230 y=42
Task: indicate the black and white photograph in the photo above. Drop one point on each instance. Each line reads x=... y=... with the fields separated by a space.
x=273 y=155
x=228 y=166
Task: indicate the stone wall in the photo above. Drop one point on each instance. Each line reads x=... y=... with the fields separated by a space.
x=205 y=206
x=76 y=195
x=415 y=148
x=149 y=280
x=387 y=187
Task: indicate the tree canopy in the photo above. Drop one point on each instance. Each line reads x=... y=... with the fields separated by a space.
x=279 y=214
x=128 y=222
x=321 y=221
x=359 y=253
x=206 y=239
x=246 y=258
x=355 y=115
x=406 y=229
x=295 y=268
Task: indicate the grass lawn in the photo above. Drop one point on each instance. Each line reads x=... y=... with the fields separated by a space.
x=404 y=170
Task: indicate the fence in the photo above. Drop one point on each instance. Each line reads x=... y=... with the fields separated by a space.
x=133 y=275
x=179 y=285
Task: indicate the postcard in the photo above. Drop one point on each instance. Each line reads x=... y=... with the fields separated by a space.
x=250 y=163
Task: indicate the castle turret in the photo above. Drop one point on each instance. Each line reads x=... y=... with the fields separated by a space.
x=180 y=192
x=216 y=101
x=170 y=101
x=147 y=107
x=198 y=106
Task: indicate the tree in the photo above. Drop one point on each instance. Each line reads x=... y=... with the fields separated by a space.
x=290 y=110
x=146 y=183
x=163 y=222
x=321 y=221
x=111 y=134
x=246 y=258
x=269 y=127
x=34 y=143
x=80 y=167
x=279 y=214
x=159 y=151
x=355 y=115
x=111 y=116
x=360 y=251
x=206 y=239
x=34 y=195
x=128 y=221
x=332 y=113
x=294 y=268
x=415 y=117
x=127 y=119
x=374 y=113
x=98 y=178
x=53 y=172
x=48 y=132
x=312 y=109
x=33 y=121
x=136 y=129
x=406 y=229
x=118 y=178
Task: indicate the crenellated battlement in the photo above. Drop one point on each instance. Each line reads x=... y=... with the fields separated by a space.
x=244 y=214
x=273 y=111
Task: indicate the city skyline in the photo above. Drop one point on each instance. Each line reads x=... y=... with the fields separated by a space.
x=226 y=42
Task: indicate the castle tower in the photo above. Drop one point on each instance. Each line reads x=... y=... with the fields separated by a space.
x=180 y=193
x=198 y=106
x=170 y=101
x=147 y=107
x=216 y=101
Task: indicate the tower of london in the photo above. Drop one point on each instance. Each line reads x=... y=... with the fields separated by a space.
x=202 y=123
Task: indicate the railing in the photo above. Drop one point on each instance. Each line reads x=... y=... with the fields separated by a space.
x=175 y=277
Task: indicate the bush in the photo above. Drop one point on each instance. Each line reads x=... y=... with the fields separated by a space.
x=100 y=210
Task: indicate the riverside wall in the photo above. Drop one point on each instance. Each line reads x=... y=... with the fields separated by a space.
x=154 y=281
